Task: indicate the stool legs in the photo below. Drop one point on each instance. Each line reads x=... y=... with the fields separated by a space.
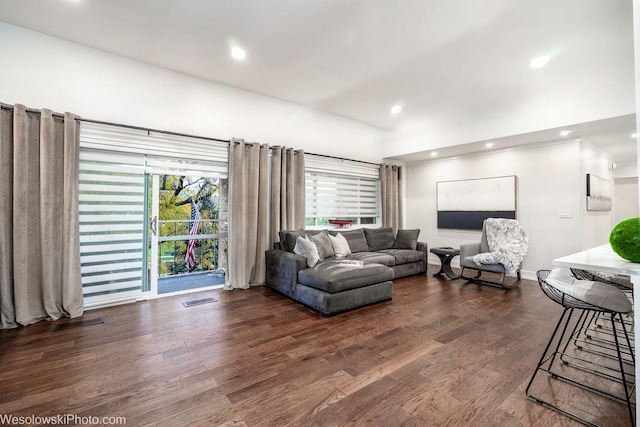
x=549 y=357
x=545 y=358
x=624 y=383
x=601 y=346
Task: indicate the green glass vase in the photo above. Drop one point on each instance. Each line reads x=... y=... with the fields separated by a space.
x=625 y=239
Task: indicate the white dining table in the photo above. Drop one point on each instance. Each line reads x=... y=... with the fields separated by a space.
x=604 y=259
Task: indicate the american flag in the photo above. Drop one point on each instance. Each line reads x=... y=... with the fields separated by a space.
x=190 y=256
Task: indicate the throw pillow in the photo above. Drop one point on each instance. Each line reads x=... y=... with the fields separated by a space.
x=288 y=238
x=340 y=245
x=355 y=238
x=325 y=249
x=307 y=249
x=407 y=239
x=379 y=238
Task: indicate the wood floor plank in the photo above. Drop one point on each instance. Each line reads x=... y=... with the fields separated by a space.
x=440 y=353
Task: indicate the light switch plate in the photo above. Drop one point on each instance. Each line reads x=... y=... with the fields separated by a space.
x=565 y=213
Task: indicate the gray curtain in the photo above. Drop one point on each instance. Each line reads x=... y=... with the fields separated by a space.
x=287 y=190
x=248 y=213
x=391 y=191
x=39 y=231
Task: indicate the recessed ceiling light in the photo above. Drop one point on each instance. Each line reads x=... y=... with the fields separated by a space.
x=396 y=109
x=238 y=53
x=434 y=153
x=489 y=144
x=565 y=132
x=634 y=135
x=540 y=61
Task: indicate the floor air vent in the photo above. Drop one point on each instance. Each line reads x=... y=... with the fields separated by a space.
x=88 y=322
x=198 y=302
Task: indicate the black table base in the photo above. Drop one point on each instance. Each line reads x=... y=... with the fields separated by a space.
x=446 y=255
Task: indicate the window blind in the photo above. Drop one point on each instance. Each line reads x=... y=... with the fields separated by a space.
x=341 y=189
x=342 y=167
x=111 y=195
x=165 y=153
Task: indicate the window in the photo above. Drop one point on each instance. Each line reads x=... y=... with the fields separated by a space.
x=341 y=191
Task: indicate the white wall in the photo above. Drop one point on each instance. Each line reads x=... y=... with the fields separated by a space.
x=596 y=225
x=40 y=71
x=625 y=199
x=626 y=170
x=549 y=179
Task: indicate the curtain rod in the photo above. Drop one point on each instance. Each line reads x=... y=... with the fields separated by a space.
x=8 y=107
x=99 y=122
x=342 y=158
x=213 y=139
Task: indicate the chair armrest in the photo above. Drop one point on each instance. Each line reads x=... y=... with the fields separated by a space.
x=467 y=251
x=282 y=270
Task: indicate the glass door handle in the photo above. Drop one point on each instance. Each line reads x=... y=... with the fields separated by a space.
x=154 y=225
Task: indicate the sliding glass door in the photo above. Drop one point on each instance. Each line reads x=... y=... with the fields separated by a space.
x=187 y=232
x=137 y=236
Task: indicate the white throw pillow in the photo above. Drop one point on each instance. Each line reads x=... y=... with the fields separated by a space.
x=307 y=249
x=340 y=245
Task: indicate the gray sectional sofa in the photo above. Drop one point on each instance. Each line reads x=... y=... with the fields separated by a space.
x=332 y=286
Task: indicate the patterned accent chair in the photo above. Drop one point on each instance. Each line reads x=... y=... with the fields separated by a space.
x=500 y=252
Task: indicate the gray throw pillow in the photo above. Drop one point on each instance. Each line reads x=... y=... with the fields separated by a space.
x=323 y=243
x=355 y=238
x=379 y=238
x=288 y=238
x=407 y=239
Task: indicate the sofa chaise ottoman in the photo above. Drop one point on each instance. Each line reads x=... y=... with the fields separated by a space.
x=333 y=287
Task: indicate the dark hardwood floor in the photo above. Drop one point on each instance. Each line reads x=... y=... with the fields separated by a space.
x=441 y=353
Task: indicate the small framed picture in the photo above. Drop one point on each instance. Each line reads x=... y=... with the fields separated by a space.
x=599 y=193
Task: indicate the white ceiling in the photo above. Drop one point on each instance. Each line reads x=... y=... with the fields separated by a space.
x=357 y=58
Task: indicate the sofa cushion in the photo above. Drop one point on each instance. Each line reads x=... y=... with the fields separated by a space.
x=333 y=277
x=307 y=249
x=374 y=257
x=407 y=239
x=325 y=249
x=379 y=238
x=356 y=239
x=340 y=245
x=288 y=238
x=404 y=256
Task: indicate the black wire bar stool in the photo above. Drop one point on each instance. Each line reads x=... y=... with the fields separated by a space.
x=594 y=333
x=567 y=365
